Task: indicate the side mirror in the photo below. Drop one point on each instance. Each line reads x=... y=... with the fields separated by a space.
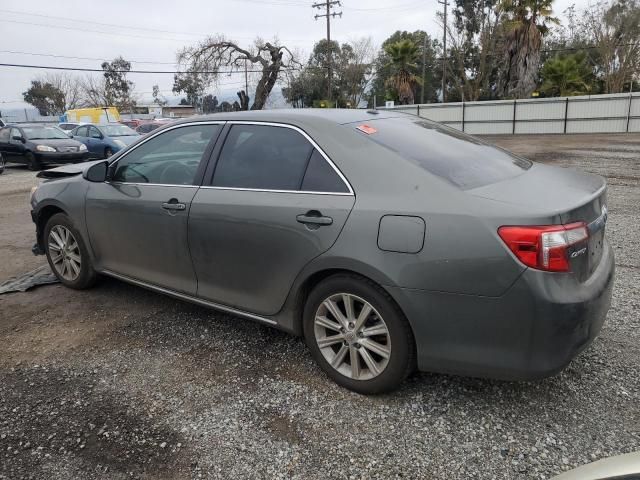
x=19 y=138
x=97 y=173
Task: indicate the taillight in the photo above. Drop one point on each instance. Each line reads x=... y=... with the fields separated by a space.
x=544 y=247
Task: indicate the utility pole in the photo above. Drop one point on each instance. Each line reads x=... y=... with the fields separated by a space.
x=444 y=52
x=424 y=61
x=328 y=5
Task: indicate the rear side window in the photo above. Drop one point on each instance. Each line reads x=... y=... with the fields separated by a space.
x=460 y=159
x=262 y=157
x=321 y=177
x=4 y=135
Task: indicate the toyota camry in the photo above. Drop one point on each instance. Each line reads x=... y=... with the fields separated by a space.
x=389 y=242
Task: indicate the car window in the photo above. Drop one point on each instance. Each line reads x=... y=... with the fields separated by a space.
x=171 y=158
x=43 y=133
x=321 y=177
x=81 y=132
x=457 y=158
x=117 y=130
x=4 y=135
x=14 y=133
x=262 y=157
x=94 y=132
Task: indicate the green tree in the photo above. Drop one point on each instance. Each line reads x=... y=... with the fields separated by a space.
x=566 y=75
x=118 y=89
x=193 y=85
x=527 y=21
x=403 y=58
x=432 y=68
x=158 y=98
x=48 y=99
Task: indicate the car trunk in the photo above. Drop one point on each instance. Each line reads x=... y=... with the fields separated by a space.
x=564 y=196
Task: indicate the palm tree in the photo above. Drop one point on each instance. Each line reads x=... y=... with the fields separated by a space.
x=403 y=63
x=565 y=76
x=527 y=22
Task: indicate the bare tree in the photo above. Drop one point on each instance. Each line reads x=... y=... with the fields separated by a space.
x=355 y=68
x=94 y=92
x=216 y=53
x=70 y=86
x=615 y=29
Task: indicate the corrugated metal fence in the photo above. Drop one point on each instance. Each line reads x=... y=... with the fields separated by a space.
x=614 y=113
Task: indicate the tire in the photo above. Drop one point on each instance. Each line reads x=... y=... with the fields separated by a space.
x=2 y=164
x=107 y=152
x=55 y=240
x=32 y=162
x=384 y=328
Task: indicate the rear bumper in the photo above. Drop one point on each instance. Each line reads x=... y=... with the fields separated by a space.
x=532 y=331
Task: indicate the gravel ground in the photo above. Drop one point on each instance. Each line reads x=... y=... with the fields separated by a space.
x=118 y=382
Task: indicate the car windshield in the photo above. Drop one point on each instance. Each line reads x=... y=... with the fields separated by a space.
x=460 y=159
x=43 y=133
x=117 y=130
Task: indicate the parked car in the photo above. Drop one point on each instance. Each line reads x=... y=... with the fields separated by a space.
x=68 y=126
x=37 y=144
x=132 y=123
x=388 y=241
x=145 y=128
x=102 y=141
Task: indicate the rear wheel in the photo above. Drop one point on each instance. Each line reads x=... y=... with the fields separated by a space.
x=1 y=164
x=67 y=254
x=358 y=335
x=32 y=162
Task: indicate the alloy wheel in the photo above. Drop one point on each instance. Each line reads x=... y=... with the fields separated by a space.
x=64 y=252
x=352 y=336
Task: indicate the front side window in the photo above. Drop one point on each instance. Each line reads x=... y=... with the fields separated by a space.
x=94 y=132
x=81 y=132
x=263 y=157
x=4 y=135
x=171 y=158
x=15 y=133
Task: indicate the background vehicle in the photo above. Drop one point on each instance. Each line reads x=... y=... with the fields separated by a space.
x=456 y=257
x=132 y=123
x=92 y=115
x=2 y=124
x=145 y=128
x=37 y=144
x=68 y=126
x=102 y=141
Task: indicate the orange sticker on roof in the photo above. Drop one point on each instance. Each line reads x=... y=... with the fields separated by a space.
x=366 y=129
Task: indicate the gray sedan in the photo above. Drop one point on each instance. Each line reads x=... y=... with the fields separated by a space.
x=388 y=241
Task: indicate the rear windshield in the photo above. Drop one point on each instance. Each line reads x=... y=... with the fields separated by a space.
x=460 y=159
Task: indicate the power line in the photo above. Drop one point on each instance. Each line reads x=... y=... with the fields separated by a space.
x=79 y=69
x=82 y=58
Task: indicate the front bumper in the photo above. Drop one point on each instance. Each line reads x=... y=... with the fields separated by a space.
x=532 y=331
x=58 y=157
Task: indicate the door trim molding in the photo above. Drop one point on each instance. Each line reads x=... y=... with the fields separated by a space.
x=189 y=298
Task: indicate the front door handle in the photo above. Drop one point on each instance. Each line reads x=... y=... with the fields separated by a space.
x=174 y=205
x=314 y=217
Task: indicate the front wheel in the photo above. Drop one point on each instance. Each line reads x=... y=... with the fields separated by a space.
x=2 y=164
x=67 y=254
x=32 y=162
x=358 y=335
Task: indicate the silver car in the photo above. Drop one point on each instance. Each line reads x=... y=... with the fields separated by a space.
x=388 y=241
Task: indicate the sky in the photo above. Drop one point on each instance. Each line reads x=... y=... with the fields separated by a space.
x=149 y=33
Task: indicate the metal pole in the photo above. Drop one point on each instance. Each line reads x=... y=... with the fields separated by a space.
x=566 y=111
x=513 y=128
x=463 y=116
x=424 y=61
x=629 y=110
x=418 y=110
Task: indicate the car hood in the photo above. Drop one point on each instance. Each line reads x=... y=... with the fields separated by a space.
x=68 y=170
x=56 y=142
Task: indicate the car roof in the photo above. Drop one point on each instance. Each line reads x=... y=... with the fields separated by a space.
x=296 y=116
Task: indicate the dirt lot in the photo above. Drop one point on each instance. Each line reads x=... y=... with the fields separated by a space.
x=118 y=382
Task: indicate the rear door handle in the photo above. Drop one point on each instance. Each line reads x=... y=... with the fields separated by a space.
x=314 y=217
x=174 y=206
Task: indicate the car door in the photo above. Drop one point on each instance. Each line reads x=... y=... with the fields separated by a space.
x=137 y=221
x=274 y=203
x=4 y=143
x=16 y=148
x=80 y=134
x=95 y=142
